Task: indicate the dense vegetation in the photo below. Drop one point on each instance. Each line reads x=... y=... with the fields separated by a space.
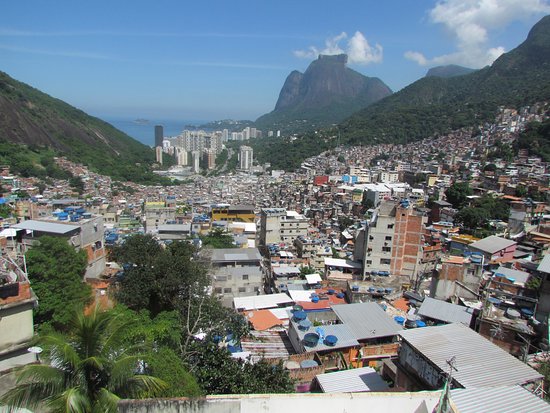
x=289 y=153
x=46 y=125
x=536 y=139
x=31 y=161
x=229 y=124
x=166 y=289
x=88 y=369
x=56 y=273
x=435 y=105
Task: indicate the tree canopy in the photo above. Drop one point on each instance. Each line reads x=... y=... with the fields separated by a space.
x=457 y=194
x=56 y=272
x=157 y=278
x=218 y=373
x=87 y=370
x=218 y=238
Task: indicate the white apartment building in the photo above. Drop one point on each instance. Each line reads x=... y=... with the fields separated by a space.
x=279 y=225
x=246 y=158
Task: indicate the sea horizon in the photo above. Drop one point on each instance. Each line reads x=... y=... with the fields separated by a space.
x=143 y=130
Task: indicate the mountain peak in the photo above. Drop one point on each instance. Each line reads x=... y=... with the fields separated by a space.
x=339 y=58
x=326 y=93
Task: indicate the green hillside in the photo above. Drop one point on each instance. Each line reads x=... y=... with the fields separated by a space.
x=435 y=105
x=32 y=118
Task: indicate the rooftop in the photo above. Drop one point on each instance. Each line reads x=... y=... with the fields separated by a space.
x=258 y=302
x=366 y=320
x=444 y=311
x=235 y=254
x=492 y=244
x=509 y=399
x=354 y=380
x=46 y=226
x=479 y=362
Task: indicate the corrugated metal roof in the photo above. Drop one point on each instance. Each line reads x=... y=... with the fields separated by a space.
x=45 y=226
x=345 y=337
x=353 y=380
x=366 y=320
x=492 y=244
x=267 y=344
x=521 y=277
x=447 y=312
x=509 y=399
x=479 y=362
x=544 y=265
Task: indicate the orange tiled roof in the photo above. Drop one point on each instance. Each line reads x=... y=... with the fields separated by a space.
x=263 y=319
x=401 y=304
x=453 y=259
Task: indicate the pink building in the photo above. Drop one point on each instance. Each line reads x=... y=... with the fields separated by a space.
x=495 y=249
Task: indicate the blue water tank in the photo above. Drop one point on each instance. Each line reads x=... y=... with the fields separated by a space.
x=399 y=320
x=299 y=316
x=330 y=340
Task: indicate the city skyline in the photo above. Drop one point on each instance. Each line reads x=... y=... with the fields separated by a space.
x=229 y=60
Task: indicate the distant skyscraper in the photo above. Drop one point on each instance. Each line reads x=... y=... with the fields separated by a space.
x=158 y=152
x=159 y=135
x=246 y=156
x=195 y=159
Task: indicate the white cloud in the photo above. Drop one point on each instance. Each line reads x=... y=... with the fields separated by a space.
x=470 y=23
x=360 y=51
x=357 y=48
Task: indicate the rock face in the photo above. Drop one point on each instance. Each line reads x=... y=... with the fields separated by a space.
x=326 y=93
x=449 y=71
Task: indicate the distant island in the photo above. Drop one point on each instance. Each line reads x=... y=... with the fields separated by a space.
x=141 y=121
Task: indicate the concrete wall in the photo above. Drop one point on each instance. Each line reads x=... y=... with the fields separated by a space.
x=414 y=363
x=424 y=402
x=16 y=324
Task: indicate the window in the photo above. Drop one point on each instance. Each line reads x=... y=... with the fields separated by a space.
x=242 y=289
x=390 y=226
x=218 y=290
x=386 y=249
x=385 y=261
x=245 y=276
x=227 y=290
x=368 y=262
x=388 y=237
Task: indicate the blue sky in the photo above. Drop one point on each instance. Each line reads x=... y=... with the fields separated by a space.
x=229 y=59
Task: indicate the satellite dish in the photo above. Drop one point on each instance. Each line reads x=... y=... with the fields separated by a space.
x=35 y=350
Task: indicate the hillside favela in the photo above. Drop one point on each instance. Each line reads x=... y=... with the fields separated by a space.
x=267 y=207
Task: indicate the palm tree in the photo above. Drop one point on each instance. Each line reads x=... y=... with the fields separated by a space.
x=89 y=370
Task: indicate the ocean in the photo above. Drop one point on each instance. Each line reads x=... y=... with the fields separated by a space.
x=145 y=132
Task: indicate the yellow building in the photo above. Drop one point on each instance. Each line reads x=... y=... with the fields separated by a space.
x=236 y=213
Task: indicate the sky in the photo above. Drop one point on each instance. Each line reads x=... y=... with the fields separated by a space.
x=211 y=60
